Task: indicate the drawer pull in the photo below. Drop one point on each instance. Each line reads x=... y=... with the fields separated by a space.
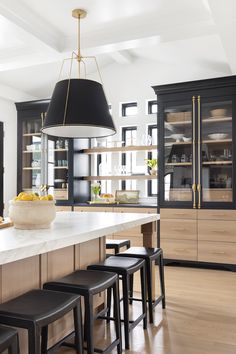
x=179 y=229
x=219 y=252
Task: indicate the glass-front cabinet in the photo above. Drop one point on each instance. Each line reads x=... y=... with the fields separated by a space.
x=196 y=143
x=43 y=161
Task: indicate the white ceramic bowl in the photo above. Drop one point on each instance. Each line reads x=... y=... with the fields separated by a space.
x=29 y=215
x=177 y=137
x=218 y=136
x=185 y=139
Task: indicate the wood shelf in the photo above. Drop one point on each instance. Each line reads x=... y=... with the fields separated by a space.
x=61 y=167
x=32 y=134
x=178 y=143
x=31 y=168
x=205 y=120
x=56 y=150
x=217 y=163
x=123 y=177
x=178 y=164
x=119 y=149
x=211 y=141
x=30 y=152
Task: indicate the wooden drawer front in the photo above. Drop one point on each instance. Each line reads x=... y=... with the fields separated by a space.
x=135 y=210
x=135 y=241
x=217 y=230
x=179 y=249
x=217 y=252
x=217 y=214
x=178 y=214
x=178 y=229
x=95 y=209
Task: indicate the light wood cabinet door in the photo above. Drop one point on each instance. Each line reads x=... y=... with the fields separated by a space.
x=217 y=230
x=178 y=213
x=179 y=249
x=178 y=229
x=217 y=252
x=217 y=214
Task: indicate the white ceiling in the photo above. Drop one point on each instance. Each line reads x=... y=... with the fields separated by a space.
x=36 y=35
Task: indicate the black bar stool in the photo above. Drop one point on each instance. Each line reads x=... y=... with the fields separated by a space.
x=116 y=245
x=35 y=310
x=9 y=340
x=149 y=255
x=88 y=283
x=125 y=267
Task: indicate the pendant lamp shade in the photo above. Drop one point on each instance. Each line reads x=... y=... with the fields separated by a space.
x=78 y=109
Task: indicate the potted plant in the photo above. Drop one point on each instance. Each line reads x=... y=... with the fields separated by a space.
x=152 y=164
x=95 y=190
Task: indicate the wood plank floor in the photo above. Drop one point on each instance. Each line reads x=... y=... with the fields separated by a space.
x=200 y=316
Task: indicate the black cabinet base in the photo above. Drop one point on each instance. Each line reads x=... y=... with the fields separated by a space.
x=203 y=265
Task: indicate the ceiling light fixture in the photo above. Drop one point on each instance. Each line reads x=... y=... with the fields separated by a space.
x=78 y=107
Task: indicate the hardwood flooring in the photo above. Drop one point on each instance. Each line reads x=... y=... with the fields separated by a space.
x=200 y=316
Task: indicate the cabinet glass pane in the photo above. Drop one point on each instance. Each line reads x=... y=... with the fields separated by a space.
x=178 y=153
x=31 y=155
x=57 y=167
x=217 y=151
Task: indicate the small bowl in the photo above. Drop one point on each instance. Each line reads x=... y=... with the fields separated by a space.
x=219 y=112
x=185 y=139
x=177 y=137
x=217 y=136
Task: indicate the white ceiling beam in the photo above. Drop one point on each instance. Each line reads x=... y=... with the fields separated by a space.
x=33 y=29
x=122 y=57
x=12 y=94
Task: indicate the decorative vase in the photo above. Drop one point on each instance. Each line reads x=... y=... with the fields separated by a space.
x=153 y=172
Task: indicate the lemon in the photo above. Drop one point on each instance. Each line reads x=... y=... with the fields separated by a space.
x=44 y=197
x=16 y=198
x=26 y=197
x=35 y=197
x=50 y=197
x=21 y=194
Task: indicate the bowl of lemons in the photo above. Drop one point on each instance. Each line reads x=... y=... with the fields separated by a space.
x=29 y=211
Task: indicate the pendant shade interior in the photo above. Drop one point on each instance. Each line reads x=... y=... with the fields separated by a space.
x=78 y=109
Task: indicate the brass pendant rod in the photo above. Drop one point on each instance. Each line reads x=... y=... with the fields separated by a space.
x=79 y=53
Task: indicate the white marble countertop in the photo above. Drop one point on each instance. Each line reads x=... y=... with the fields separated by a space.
x=69 y=228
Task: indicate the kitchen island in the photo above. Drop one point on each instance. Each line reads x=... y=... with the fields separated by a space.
x=29 y=258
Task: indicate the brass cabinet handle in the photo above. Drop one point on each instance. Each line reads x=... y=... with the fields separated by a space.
x=194 y=154
x=199 y=187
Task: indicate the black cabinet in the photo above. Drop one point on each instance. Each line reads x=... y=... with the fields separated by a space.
x=42 y=159
x=197 y=143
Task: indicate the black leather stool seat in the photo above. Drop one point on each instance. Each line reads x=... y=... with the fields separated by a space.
x=89 y=283
x=116 y=245
x=149 y=255
x=126 y=267
x=36 y=309
x=83 y=281
x=9 y=340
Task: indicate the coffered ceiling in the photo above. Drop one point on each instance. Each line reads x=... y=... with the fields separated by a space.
x=36 y=35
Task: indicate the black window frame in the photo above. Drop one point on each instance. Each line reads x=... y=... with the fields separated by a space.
x=123 y=156
x=149 y=189
x=151 y=103
x=124 y=107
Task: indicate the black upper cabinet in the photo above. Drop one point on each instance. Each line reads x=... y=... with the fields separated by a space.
x=197 y=143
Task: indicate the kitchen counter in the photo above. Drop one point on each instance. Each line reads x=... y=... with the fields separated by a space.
x=69 y=228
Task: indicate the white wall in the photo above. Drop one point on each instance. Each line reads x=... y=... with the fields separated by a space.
x=9 y=118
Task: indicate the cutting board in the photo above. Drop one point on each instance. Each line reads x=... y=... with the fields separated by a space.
x=6 y=223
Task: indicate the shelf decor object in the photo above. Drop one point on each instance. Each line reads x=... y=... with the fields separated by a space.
x=127 y=196
x=78 y=107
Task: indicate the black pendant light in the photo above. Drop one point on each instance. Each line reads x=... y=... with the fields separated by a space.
x=78 y=107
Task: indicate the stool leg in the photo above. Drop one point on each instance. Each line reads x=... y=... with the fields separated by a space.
x=162 y=280
x=125 y=285
x=44 y=341
x=116 y=300
x=109 y=304
x=34 y=340
x=144 y=294
x=78 y=328
x=14 y=347
x=128 y=245
x=88 y=325
x=149 y=289
x=131 y=287
x=117 y=249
